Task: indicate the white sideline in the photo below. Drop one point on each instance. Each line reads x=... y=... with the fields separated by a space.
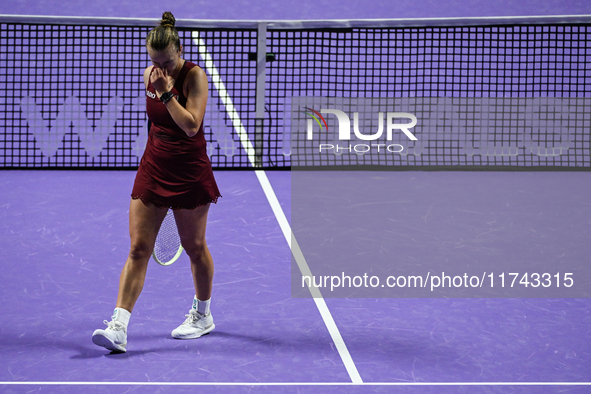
x=44 y=383
x=277 y=210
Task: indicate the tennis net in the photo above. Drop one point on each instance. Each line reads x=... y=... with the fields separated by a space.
x=485 y=93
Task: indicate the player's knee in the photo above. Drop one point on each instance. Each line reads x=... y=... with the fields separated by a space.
x=140 y=251
x=195 y=248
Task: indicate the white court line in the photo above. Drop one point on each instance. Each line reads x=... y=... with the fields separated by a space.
x=278 y=211
x=225 y=97
x=295 y=384
x=303 y=265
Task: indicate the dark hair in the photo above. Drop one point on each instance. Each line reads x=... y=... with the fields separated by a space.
x=164 y=34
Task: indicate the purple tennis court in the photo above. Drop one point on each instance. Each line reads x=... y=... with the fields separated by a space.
x=59 y=284
x=65 y=204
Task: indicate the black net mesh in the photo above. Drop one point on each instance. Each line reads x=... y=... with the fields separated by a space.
x=438 y=66
x=72 y=96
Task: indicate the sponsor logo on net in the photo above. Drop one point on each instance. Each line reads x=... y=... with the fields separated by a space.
x=344 y=131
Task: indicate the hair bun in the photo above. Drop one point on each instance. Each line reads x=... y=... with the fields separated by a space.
x=167 y=19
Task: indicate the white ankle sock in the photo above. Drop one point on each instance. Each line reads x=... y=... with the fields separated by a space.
x=121 y=315
x=201 y=306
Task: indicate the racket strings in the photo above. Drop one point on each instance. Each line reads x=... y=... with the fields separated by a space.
x=168 y=242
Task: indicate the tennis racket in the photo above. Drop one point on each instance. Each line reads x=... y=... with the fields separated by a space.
x=167 y=248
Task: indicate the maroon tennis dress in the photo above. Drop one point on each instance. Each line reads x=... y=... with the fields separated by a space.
x=175 y=171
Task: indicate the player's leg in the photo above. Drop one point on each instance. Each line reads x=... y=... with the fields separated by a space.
x=192 y=226
x=144 y=222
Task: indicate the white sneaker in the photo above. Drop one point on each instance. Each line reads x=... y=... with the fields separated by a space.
x=114 y=337
x=194 y=326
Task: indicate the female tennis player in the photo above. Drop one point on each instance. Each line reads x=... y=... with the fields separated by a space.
x=175 y=173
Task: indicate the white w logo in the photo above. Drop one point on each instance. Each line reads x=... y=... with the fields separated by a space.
x=49 y=136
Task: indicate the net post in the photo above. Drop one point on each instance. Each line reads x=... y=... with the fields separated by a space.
x=260 y=91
